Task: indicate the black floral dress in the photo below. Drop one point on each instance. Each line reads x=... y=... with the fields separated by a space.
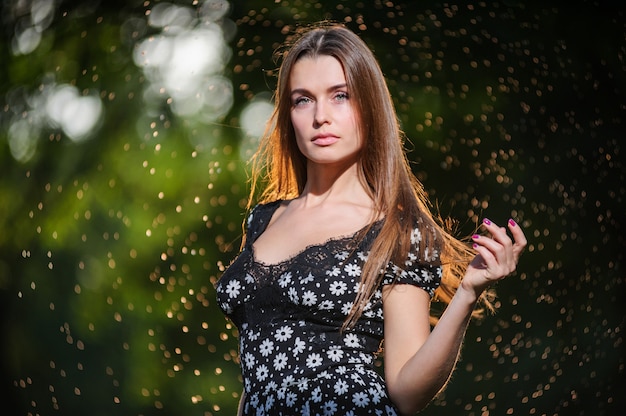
x=294 y=359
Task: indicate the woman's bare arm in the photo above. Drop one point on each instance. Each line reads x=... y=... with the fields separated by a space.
x=241 y=400
x=418 y=363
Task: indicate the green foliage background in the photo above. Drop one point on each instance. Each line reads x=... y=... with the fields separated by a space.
x=109 y=247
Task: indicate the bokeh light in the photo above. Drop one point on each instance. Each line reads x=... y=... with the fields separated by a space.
x=125 y=127
x=184 y=61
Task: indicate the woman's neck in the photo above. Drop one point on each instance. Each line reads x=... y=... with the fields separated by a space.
x=326 y=184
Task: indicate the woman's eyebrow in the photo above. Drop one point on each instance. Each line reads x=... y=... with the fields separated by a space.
x=304 y=91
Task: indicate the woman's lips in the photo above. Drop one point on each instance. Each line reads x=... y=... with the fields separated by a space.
x=325 y=139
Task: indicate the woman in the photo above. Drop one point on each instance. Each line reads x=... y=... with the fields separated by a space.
x=341 y=236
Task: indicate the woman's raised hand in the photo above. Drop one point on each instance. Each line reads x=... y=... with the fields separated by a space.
x=497 y=255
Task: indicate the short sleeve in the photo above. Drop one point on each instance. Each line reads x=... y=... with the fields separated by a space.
x=423 y=271
x=257 y=221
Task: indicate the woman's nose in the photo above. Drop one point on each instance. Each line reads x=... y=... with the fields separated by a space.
x=321 y=115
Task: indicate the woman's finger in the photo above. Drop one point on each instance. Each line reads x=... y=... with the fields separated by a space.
x=498 y=233
x=519 y=237
x=505 y=250
x=484 y=260
x=495 y=248
x=500 y=243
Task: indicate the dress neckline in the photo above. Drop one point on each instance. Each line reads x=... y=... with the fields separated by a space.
x=292 y=257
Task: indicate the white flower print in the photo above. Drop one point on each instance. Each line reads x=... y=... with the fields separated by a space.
x=233 y=288
x=291 y=399
x=341 y=370
x=283 y=333
x=316 y=395
x=326 y=305
x=396 y=270
x=249 y=360
x=342 y=255
x=366 y=358
x=270 y=386
x=254 y=400
x=335 y=353
x=249 y=279
x=314 y=360
x=430 y=254
x=280 y=393
x=309 y=298
x=266 y=347
x=262 y=372
x=334 y=272
x=341 y=387
x=346 y=308
x=375 y=395
x=428 y=277
x=410 y=259
x=253 y=336
x=353 y=270
x=298 y=346
x=303 y=384
x=280 y=361
x=357 y=379
x=330 y=407
x=390 y=411
x=293 y=295
x=351 y=340
x=269 y=402
x=307 y=279
x=324 y=374
x=416 y=236
x=415 y=277
x=226 y=308
x=362 y=256
x=284 y=280
x=287 y=381
x=360 y=399
x=337 y=288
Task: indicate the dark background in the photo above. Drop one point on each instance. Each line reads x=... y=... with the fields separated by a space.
x=112 y=237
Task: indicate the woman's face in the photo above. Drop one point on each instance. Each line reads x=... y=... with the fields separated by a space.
x=322 y=114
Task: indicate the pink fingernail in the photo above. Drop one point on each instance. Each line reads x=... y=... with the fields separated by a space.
x=486 y=221
x=475 y=245
x=512 y=223
x=475 y=236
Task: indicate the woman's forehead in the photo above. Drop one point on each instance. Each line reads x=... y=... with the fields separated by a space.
x=321 y=71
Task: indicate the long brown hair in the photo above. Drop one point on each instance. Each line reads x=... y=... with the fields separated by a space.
x=384 y=168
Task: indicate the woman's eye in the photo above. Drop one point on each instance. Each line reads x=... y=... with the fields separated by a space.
x=341 y=96
x=301 y=100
